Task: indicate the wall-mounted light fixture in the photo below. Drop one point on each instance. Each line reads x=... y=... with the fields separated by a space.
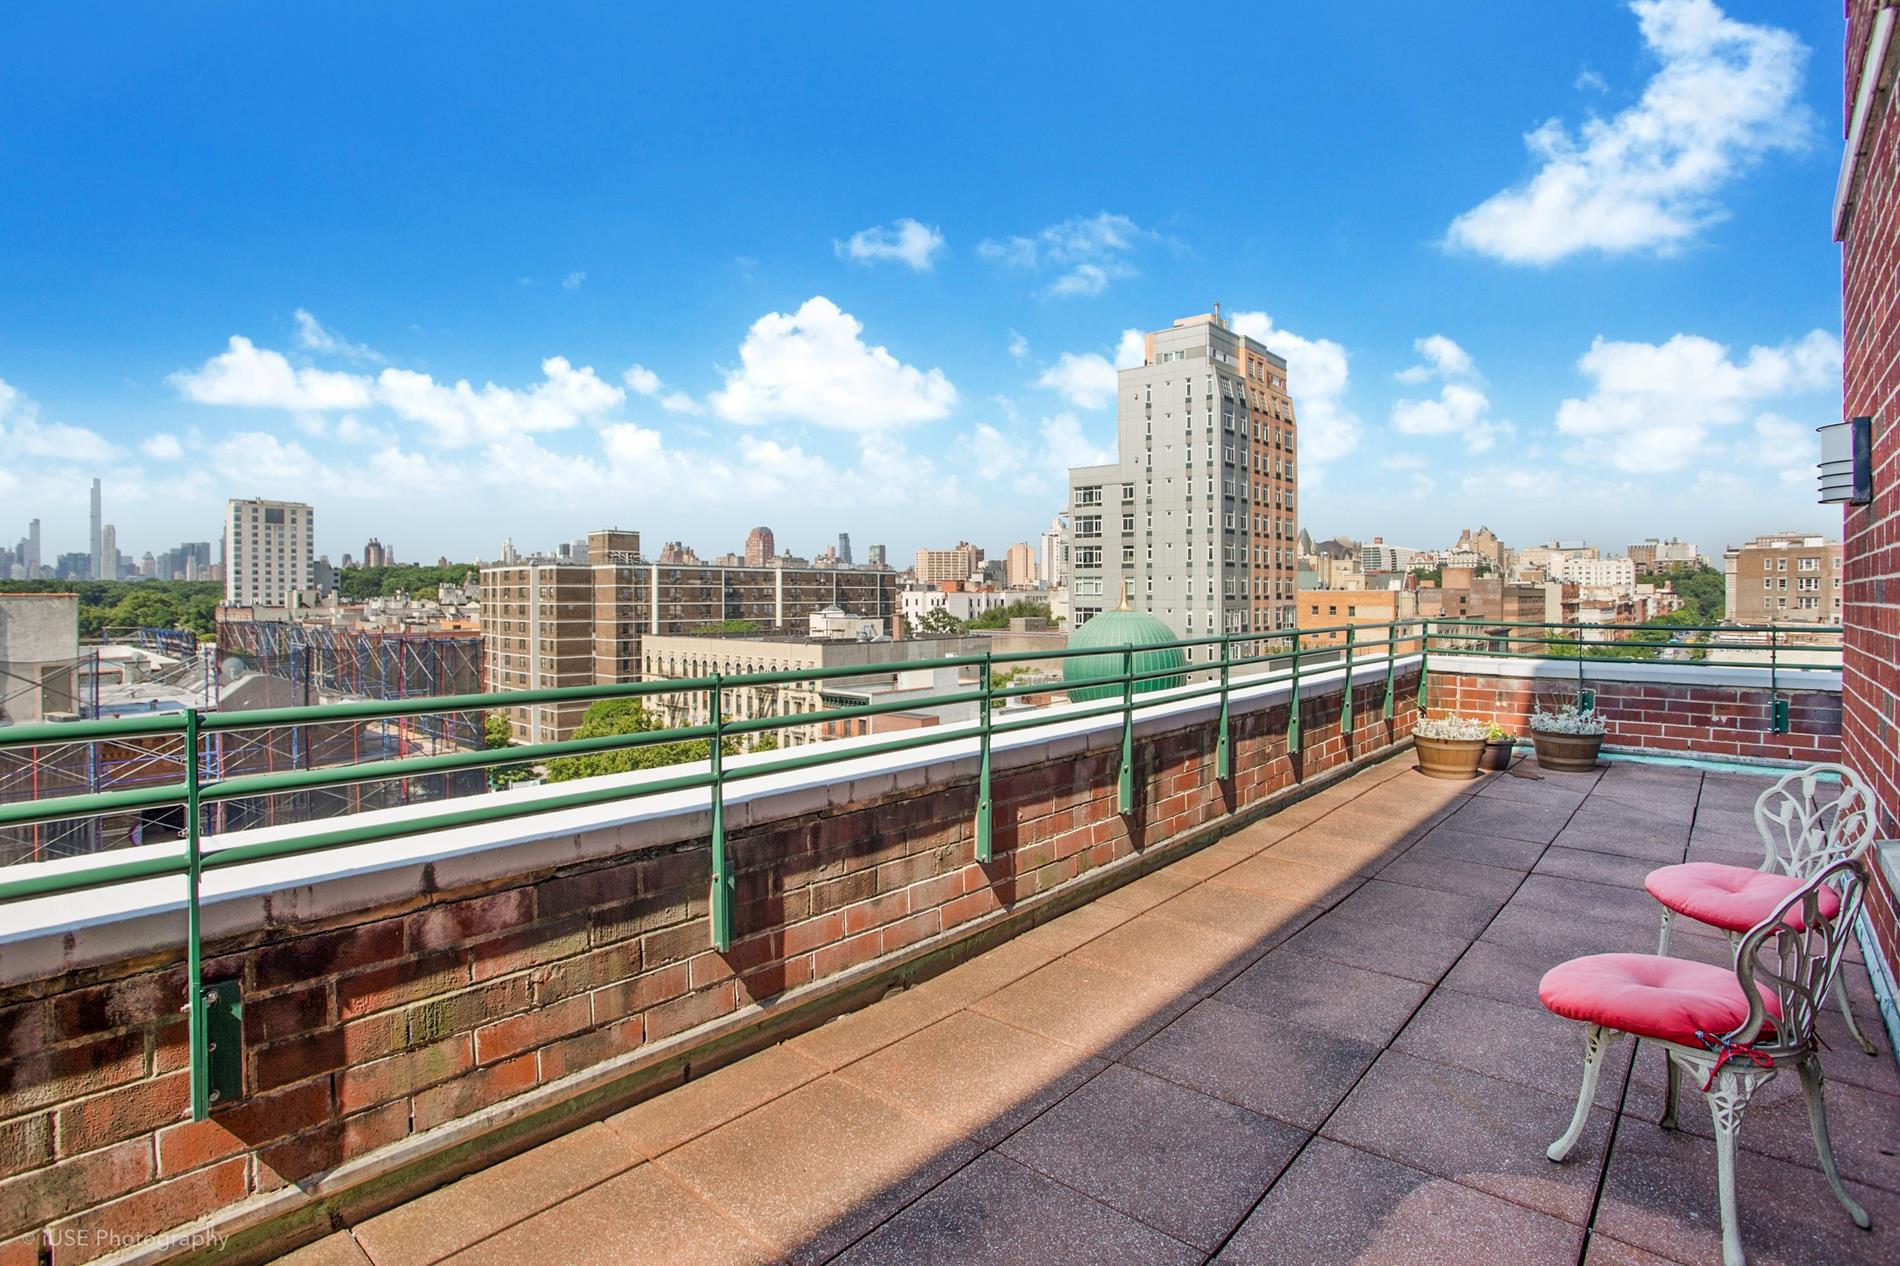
x=1847 y=462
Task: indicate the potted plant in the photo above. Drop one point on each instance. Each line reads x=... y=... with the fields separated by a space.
x=1498 y=743
x=1568 y=738
x=1449 y=747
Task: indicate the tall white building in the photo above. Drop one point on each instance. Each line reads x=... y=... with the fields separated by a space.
x=269 y=551
x=1198 y=515
x=1600 y=573
x=97 y=554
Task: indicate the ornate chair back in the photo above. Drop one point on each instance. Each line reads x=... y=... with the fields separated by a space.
x=1808 y=821
x=1795 y=953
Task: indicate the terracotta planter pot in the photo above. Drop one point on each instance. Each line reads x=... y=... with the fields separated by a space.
x=1567 y=753
x=1497 y=754
x=1455 y=759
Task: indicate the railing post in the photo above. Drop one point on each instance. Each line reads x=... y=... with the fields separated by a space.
x=1293 y=705
x=1223 y=760
x=1345 y=711
x=1391 y=664
x=1424 y=662
x=1777 y=706
x=983 y=852
x=1125 y=783
x=722 y=883
x=194 y=950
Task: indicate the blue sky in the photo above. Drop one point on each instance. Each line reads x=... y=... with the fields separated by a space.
x=460 y=272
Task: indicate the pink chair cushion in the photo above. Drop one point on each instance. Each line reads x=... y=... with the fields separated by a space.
x=1650 y=995
x=1733 y=898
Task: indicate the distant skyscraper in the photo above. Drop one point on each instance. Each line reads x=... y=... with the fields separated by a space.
x=844 y=548
x=1022 y=566
x=376 y=554
x=760 y=548
x=878 y=557
x=108 y=566
x=33 y=550
x=98 y=552
x=960 y=562
x=269 y=551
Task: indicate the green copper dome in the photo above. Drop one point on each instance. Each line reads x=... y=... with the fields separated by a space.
x=1114 y=630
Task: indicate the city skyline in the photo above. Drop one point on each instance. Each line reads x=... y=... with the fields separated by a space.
x=1525 y=305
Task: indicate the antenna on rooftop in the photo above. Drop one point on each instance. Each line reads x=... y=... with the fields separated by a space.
x=1217 y=312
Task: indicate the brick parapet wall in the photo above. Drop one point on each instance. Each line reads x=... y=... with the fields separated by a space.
x=1658 y=716
x=365 y=1033
x=1870 y=387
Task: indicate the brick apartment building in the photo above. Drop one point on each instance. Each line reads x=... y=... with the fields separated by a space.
x=1866 y=225
x=1784 y=578
x=547 y=623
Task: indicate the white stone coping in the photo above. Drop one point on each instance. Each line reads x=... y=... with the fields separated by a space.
x=1639 y=671
x=44 y=936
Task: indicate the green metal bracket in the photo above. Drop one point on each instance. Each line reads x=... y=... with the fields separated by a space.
x=1586 y=700
x=983 y=848
x=722 y=880
x=1391 y=664
x=1293 y=706
x=1125 y=782
x=1223 y=760
x=224 y=1041
x=196 y=1031
x=1424 y=664
x=1345 y=709
x=1781 y=715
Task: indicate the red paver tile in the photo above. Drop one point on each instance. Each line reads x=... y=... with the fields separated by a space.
x=476 y=1208
x=642 y=1218
x=669 y=1119
x=813 y=1171
x=1250 y=919
x=1308 y=992
x=1179 y=955
x=1338 y=1206
x=978 y=1076
x=1174 y=1158
x=1524 y=1044
x=337 y=1249
x=1287 y=880
x=1097 y=1011
x=998 y=1212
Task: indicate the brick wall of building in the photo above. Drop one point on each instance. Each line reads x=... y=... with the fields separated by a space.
x=1704 y=720
x=1870 y=331
x=362 y=1033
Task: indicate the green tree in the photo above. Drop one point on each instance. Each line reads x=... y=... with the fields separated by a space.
x=358 y=583
x=1703 y=591
x=999 y=617
x=498 y=732
x=939 y=620
x=626 y=716
x=727 y=626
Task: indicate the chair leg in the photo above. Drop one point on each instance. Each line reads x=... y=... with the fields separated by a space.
x=1812 y=1087
x=1662 y=942
x=1728 y=1100
x=1596 y=1040
x=1672 y=1089
x=1840 y=988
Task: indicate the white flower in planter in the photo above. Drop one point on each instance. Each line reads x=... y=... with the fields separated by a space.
x=1451 y=727
x=1569 y=719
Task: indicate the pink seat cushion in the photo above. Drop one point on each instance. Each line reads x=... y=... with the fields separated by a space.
x=1733 y=898
x=1650 y=995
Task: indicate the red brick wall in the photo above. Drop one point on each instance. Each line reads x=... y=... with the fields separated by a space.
x=1870 y=328
x=1704 y=720
x=359 y=1035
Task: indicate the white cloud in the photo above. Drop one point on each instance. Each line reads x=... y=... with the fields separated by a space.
x=1783 y=445
x=1653 y=405
x=644 y=382
x=1316 y=375
x=314 y=336
x=249 y=376
x=462 y=414
x=1727 y=93
x=1038 y=466
x=574 y=280
x=1018 y=345
x=1086 y=381
x=1589 y=81
x=1460 y=409
x=813 y=366
x=906 y=241
x=1132 y=351
x=162 y=447
x=23 y=435
x=1091 y=251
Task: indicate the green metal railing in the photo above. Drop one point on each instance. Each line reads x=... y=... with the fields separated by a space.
x=1228 y=662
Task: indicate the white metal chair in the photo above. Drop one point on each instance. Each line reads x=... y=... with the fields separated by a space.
x=1732 y=1028
x=1807 y=823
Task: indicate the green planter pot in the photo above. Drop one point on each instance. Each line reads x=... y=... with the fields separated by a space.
x=1497 y=754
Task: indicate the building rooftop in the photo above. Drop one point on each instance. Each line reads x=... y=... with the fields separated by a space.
x=1315 y=1041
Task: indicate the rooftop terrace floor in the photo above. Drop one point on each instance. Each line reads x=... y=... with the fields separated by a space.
x=1317 y=1041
